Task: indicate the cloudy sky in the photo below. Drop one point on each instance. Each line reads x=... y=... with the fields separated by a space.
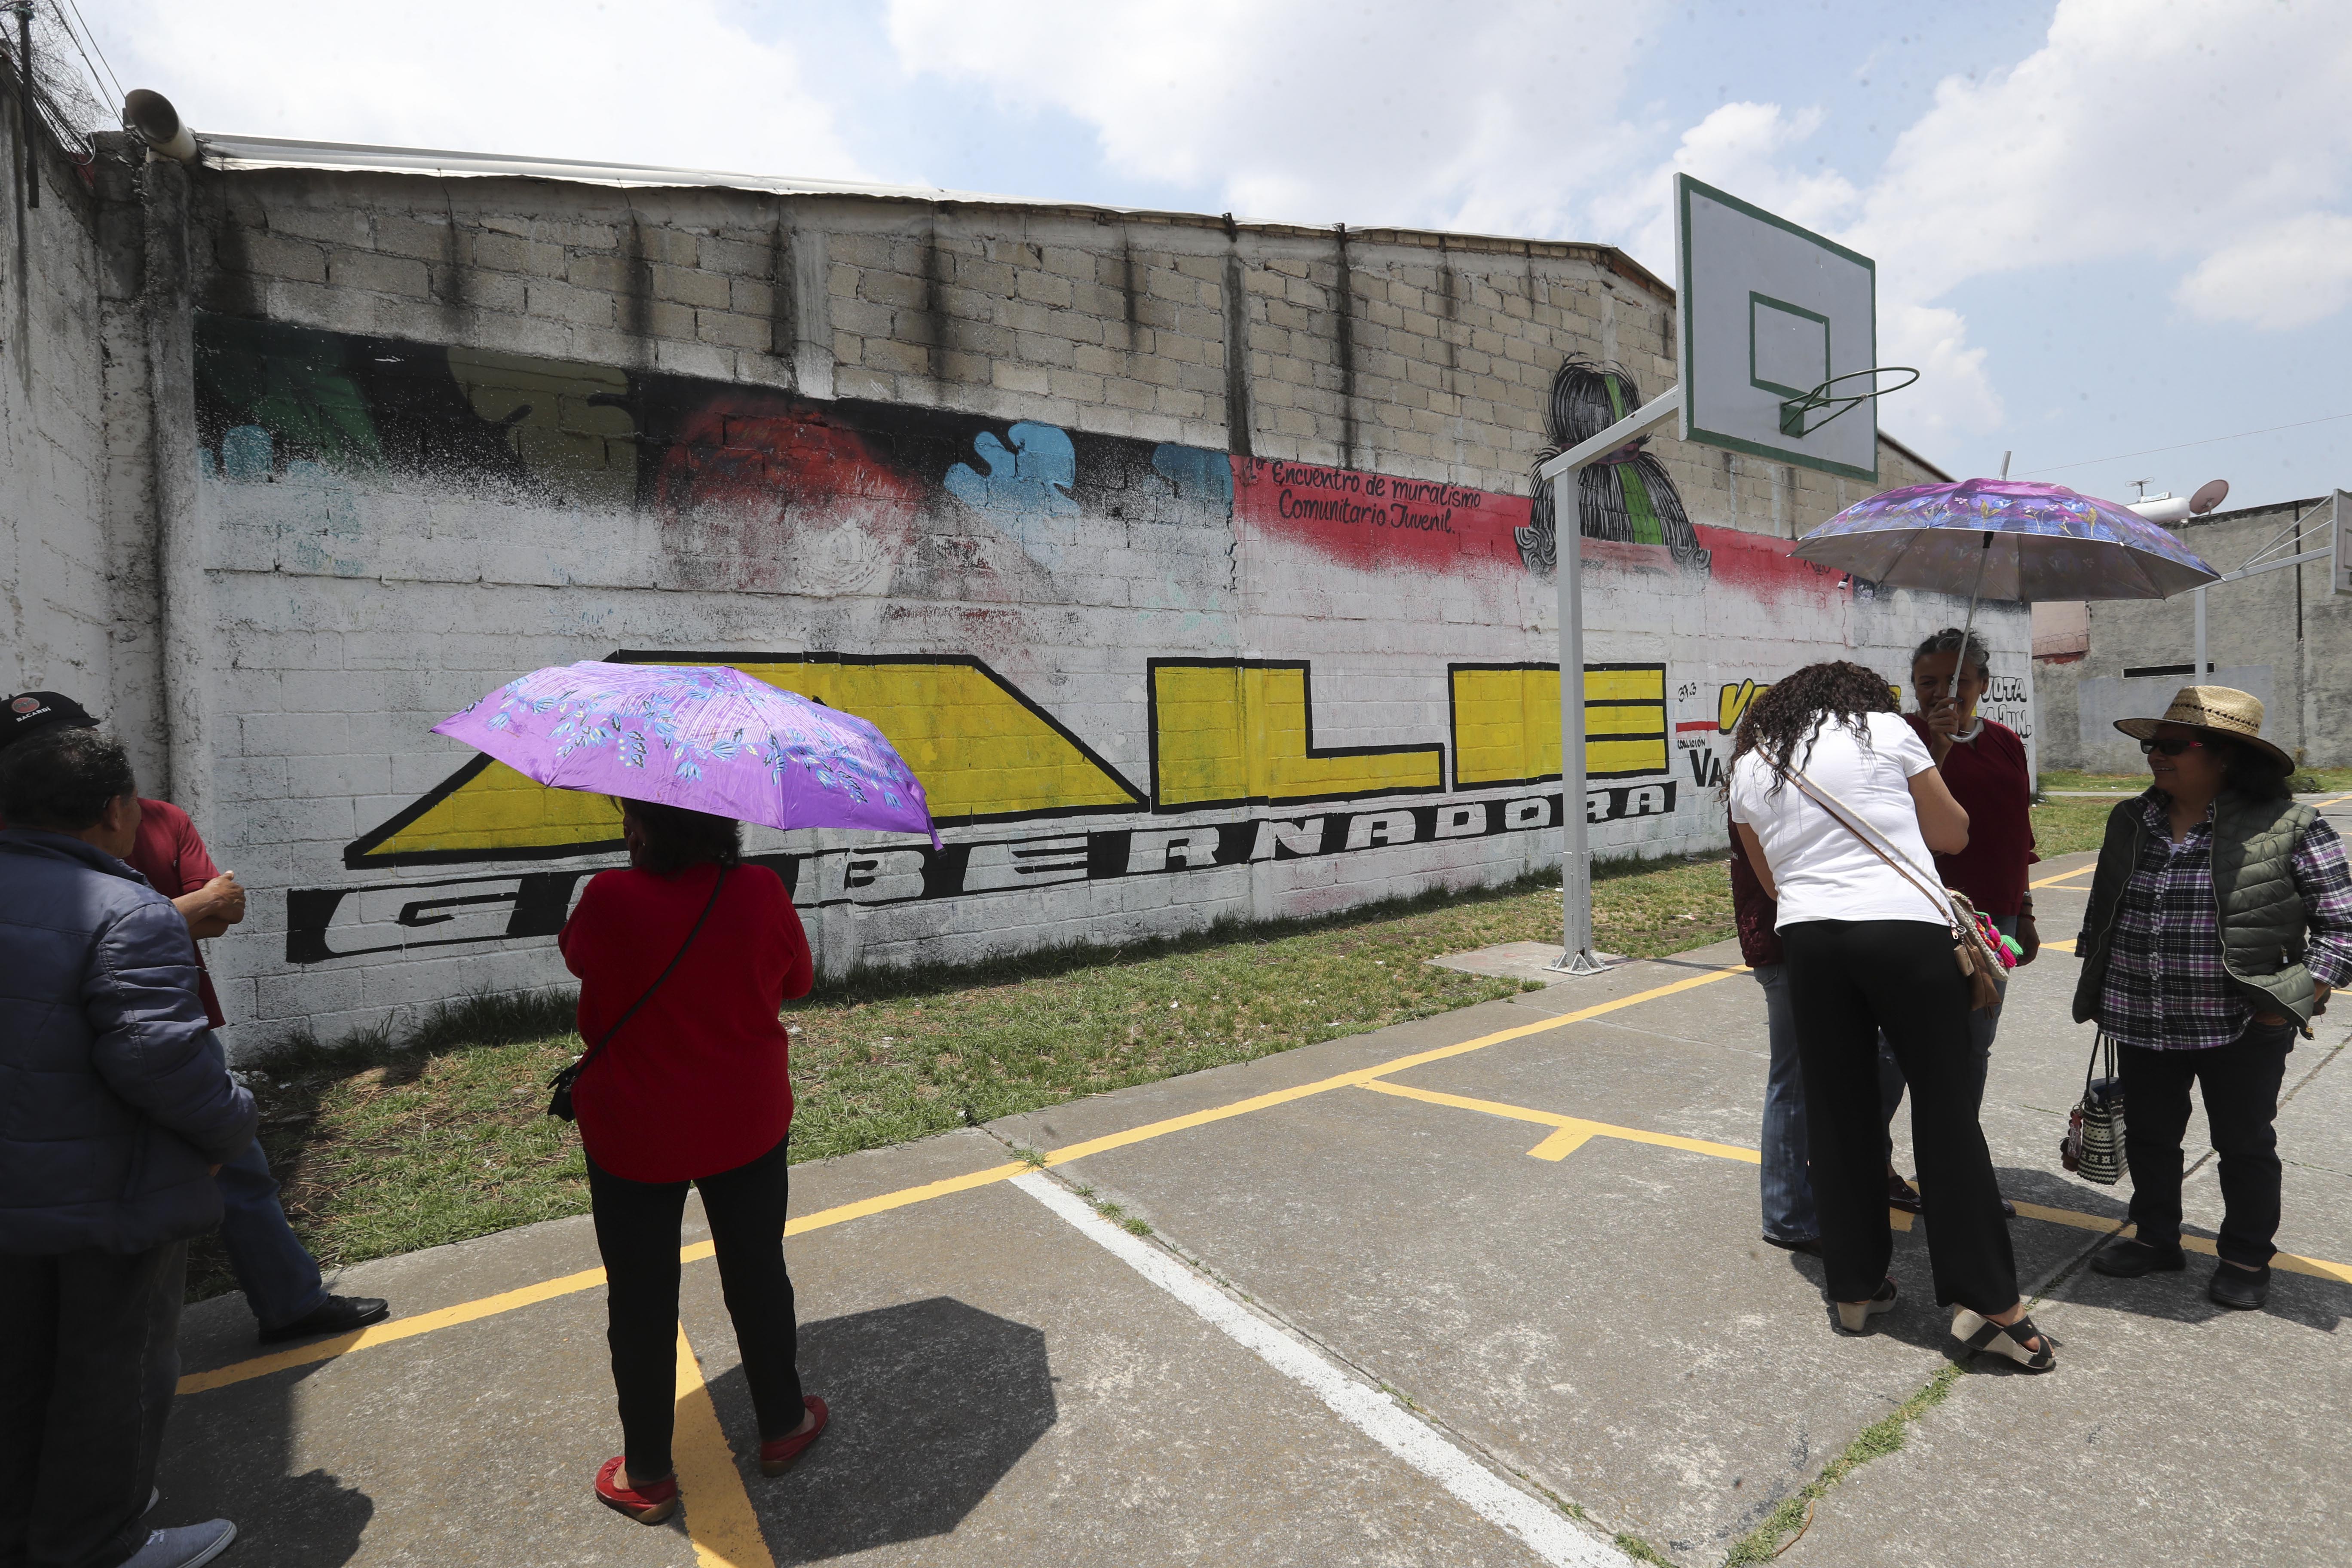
x=2114 y=234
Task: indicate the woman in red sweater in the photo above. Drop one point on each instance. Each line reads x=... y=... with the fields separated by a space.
x=691 y=1089
x=1984 y=765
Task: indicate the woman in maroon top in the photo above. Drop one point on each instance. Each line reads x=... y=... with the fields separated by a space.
x=1984 y=765
x=692 y=1089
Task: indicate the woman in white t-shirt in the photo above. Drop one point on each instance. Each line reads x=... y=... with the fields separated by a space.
x=1868 y=949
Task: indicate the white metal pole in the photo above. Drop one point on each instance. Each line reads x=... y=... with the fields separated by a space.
x=1565 y=473
x=1576 y=837
x=1967 y=627
x=2200 y=680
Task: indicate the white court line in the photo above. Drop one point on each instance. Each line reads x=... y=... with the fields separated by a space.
x=1552 y=1537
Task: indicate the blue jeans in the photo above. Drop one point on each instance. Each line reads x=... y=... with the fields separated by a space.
x=279 y=1278
x=1983 y=1024
x=1788 y=1187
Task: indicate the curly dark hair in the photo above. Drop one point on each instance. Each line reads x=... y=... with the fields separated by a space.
x=63 y=779
x=1796 y=707
x=674 y=838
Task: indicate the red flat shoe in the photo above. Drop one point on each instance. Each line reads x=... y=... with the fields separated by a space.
x=648 y=1504
x=778 y=1454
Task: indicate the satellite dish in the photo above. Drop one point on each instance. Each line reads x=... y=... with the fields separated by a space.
x=2209 y=494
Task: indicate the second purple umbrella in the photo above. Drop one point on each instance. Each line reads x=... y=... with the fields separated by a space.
x=2005 y=539
x=705 y=737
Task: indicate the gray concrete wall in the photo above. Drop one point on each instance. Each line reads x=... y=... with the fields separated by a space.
x=355 y=448
x=2282 y=636
x=55 y=558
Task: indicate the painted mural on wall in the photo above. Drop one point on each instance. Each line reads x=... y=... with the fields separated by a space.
x=1627 y=497
x=1107 y=659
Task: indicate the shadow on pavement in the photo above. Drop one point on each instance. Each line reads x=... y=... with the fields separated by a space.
x=231 y=1460
x=933 y=1403
x=2313 y=1303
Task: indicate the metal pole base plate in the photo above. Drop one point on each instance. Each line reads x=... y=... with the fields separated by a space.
x=1585 y=963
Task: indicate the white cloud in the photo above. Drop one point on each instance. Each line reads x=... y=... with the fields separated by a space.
x=2289 y=274
x=1490 y=118
x=1742 y=148
x=2138 y=129
x=2204 y=130
x=676 y=84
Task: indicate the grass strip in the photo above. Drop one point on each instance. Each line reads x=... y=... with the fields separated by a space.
x=1880 y=1438
x=2307 y=781
x=1641 y=1550
x=2069 y=826
x=386 y=1143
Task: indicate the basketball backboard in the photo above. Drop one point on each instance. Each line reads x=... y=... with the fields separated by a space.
x=1779 y=336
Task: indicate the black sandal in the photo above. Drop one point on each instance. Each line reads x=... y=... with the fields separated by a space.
x=1854 y=1316
x=1979 y=1333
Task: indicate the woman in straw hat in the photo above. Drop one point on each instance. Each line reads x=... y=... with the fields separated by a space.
x=2221 y=917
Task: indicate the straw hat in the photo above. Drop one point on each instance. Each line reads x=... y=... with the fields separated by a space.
x=2220 y=711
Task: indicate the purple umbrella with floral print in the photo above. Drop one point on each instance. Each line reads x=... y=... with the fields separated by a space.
x=2005 y=539
x=705 y=737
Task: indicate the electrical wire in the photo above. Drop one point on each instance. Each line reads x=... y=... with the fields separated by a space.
x=82 y=26
x=2184 y=446
x=75 y=31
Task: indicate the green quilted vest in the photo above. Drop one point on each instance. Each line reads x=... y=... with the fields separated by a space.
x=2262 y=920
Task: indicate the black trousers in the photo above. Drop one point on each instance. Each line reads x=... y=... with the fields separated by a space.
x=637 y=1225
x=2241 y=1086
x=1849 y=981
x=90 y=1355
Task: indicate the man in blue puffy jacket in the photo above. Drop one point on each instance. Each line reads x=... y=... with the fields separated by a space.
x=116 y=1107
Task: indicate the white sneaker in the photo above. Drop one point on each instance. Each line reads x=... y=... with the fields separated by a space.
x=183 y=1546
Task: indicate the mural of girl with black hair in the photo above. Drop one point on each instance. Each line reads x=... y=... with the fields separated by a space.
x=1626 y=496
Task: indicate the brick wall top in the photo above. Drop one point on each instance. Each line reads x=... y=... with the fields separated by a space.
x=1418 y=353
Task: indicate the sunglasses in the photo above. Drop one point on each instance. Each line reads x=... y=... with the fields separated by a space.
x=2169 y=748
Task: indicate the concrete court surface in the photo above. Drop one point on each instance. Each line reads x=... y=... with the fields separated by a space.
x=1545 y=1244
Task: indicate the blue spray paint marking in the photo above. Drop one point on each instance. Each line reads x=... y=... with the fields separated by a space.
x=1027 y=491
x=1197 y=473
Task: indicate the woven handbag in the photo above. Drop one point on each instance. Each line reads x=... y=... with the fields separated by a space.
x=2094 y=1145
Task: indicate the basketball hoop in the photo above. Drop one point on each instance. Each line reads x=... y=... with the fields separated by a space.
x=1794 y=410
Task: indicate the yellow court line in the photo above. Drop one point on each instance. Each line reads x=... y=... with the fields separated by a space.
x=398 y=1328
x=1574 y=1131
x=719 y=1517
x=1363 y=1077
x=588 y=1280
x=2064 y=877
x=1569 y=1124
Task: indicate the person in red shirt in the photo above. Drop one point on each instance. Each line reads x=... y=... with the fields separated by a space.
x=1984 y=765
x=280 y=1279
x=685 y=961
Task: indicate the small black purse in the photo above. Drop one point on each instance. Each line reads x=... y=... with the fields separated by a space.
x=559 y=1104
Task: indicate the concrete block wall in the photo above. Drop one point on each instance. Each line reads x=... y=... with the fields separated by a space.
x=1420 y=354
x=923 y=440
x=2284 y=635
x=59 y=565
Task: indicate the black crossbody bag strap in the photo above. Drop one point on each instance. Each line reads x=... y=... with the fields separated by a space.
x=559 y=1103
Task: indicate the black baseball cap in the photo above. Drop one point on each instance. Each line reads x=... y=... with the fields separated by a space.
x=34 y=712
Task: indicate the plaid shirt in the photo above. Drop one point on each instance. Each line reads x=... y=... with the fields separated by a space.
x=2166 y=986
